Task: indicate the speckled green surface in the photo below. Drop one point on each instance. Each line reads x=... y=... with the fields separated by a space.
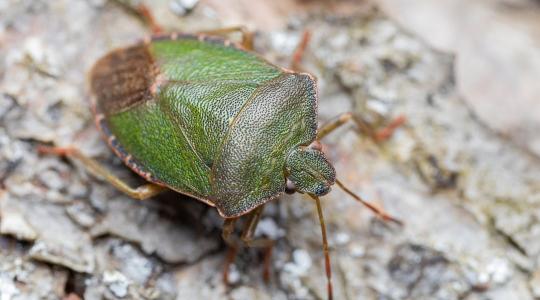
x=220 y=125
x=468 y=197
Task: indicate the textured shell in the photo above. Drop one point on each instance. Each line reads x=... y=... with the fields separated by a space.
x=204 y=117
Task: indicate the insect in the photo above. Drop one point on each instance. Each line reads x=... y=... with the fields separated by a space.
x=209 y=118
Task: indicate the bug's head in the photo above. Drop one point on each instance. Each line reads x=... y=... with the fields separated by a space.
x=309 y=171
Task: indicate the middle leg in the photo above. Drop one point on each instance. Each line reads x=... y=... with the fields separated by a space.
x=376 y=135
x=364 y=127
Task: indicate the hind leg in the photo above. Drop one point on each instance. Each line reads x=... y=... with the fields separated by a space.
x=140 y=193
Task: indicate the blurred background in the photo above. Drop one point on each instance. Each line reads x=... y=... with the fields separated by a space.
x=495 y=43
x=463 y=173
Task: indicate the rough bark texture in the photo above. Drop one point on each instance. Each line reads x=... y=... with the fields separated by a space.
x=470 y=200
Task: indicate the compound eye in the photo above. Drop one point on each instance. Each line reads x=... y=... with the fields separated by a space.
x=290 y=188
x=322 y=190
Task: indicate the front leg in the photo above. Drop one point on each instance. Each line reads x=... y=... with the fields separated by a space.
x=377 y=136
x=246 y=239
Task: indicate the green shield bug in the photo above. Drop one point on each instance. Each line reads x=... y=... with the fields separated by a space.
x=208 y=118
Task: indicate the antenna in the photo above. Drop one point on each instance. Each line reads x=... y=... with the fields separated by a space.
x=325 y=247
x=375 y=209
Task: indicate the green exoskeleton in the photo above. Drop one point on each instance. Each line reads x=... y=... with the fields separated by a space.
x=211 y=119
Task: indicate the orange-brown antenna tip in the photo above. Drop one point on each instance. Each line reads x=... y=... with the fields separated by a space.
x=380 y=212
x=327 y=264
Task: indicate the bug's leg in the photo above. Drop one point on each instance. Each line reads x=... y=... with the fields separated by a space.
x=247 y=36
x=249 y=230
x=386 y=132
x=147 y=16
x=140 y=193
x=334 y=124
x=267 y=262
x=296 y=61
x=377 y=135
x=247 y=238
x=226 y=234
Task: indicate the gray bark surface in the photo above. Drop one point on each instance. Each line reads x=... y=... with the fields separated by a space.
x=469 y=198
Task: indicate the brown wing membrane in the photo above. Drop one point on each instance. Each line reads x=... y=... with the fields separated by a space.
x=123 y=79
